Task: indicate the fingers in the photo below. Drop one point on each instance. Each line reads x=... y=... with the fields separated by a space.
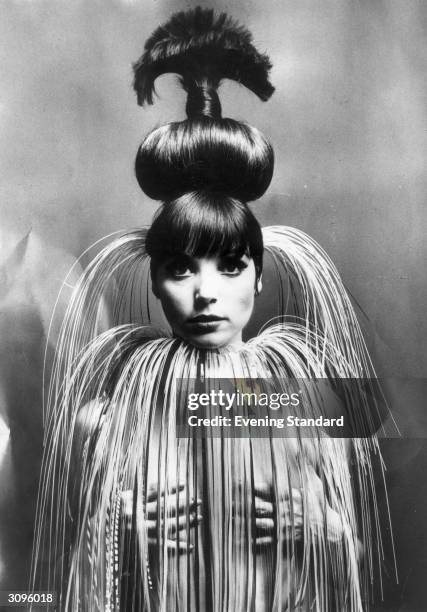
x=262 y=490
x=264 y=541
x=153 y=493
x=295 y=496
x=292 y=509
x=174 y=524
x=289 y=530
x=263 y=507
x=127 y=503
x=187 y=517
x=175 y=502
x=178 y=546
x=264 y=524
x=290 y=517
x=171 y=506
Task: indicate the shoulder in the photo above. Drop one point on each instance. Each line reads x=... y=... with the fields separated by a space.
x=88 y=426
x=89 y=420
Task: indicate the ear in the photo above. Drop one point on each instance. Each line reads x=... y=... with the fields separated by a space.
x=258 y=285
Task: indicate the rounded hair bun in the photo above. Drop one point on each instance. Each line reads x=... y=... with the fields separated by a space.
x=224 y=157
x=205 y=152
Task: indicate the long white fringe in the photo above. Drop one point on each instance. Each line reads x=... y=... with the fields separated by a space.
x=114 y=392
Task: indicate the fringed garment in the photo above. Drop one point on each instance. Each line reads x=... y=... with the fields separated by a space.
x=111 y=448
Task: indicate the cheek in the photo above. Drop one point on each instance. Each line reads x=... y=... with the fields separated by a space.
x=242 y=296
x=245 y=304
x=175 y=302
x=247 y=300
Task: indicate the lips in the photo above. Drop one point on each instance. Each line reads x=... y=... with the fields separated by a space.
x=204 y=324
x=205 y=319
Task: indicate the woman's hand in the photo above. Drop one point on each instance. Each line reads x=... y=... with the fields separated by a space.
x=292 y=516
x=320 y=513
x=179 y=517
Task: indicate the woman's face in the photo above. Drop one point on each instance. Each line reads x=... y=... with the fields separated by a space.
x=207 y=300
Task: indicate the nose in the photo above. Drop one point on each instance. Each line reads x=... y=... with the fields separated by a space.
x=206 y=287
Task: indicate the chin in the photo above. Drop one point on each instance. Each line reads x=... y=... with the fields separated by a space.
x=209 y=341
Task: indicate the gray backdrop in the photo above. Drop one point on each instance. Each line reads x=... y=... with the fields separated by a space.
x=348 y=122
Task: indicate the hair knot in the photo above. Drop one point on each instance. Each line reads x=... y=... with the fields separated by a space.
x=203 y=101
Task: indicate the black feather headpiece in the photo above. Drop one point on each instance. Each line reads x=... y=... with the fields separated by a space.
x=201 y=46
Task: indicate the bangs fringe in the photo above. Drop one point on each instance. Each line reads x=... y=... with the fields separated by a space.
x=205 y=224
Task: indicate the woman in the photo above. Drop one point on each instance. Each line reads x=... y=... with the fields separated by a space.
x=134 y=514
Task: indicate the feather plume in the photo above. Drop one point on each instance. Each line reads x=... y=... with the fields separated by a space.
x=199 y=45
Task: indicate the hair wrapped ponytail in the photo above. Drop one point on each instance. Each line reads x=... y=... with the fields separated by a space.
x=205 y=152
x=203 y=101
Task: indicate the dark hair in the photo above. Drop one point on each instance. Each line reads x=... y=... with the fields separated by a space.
x=205 y=169
x=221 y=156
x=203 y=224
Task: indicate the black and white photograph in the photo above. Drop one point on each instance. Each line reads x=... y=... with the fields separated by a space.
x=213 y=289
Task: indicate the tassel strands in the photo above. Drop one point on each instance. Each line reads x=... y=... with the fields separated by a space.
x=118 y=485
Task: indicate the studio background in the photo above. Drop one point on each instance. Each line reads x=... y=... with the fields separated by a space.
x=348 y=123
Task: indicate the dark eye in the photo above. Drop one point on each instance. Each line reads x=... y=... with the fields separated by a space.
x=179 y=267
x=232 y=266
